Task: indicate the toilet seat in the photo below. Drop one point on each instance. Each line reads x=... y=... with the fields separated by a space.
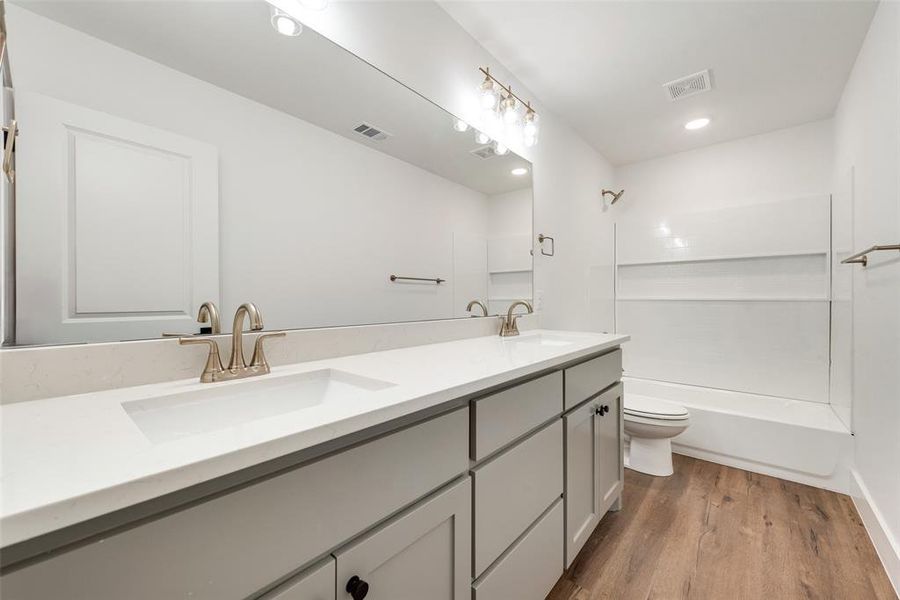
x=645 y=408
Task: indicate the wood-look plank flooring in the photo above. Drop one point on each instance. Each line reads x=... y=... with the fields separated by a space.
x=711 y=532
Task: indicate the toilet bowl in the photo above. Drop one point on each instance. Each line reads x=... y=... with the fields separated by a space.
x=652 y=423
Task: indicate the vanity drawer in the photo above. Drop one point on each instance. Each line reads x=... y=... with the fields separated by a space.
x=587 y=378
x=236 y=544
x=513 y=490
x=502 y=417
x=316 y=583
x=532 y=566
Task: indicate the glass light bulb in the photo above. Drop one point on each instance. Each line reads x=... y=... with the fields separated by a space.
x=460 y=125
x=530 y=141
x=482 y=138
x=486 y=94
x=510 y=116
x=530 y=129
x=500 y=149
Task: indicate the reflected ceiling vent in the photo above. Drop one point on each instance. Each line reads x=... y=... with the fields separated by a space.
x=688 y=86
x=486 y=151
x=373 y=133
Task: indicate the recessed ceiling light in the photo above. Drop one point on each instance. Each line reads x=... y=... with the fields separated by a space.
x=519 y=171
x=697 y=124
x=460 y=125
x=285 y=24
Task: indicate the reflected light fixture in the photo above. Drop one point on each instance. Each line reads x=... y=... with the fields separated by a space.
x=519 y=171
x=696 y=124
x=284 y=23
x=460 y=125
x=500 y=149
x=482 y=138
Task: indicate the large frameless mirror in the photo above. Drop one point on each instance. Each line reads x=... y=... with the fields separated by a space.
x=181 y=152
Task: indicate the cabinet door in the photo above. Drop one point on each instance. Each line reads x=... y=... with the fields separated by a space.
x=316 y=583
x=426 y=552
x=593 y=466
x=610 y=459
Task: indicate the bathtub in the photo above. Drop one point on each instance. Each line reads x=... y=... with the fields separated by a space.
x=790 y=439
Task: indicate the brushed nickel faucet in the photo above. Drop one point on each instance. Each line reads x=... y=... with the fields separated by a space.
x=509 y=327
x=475 y=303
x=208 y=313
x=237 y=366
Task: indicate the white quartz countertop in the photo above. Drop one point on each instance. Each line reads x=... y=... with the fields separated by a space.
x=72 y=458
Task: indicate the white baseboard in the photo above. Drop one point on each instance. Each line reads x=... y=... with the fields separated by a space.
x=887 y=547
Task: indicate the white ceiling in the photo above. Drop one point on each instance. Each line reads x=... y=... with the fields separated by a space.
x=601 y=65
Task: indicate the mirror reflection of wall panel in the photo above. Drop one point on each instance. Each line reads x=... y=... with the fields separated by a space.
x=119 y=226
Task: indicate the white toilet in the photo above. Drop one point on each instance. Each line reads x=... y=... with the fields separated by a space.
x=652 y=423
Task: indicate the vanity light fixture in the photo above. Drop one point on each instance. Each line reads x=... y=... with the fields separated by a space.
x=482 y=138
x=507 y=109
x=284 y=23
x=696 y=124
x=460 y=125
x=519 y=171
x=500 y=149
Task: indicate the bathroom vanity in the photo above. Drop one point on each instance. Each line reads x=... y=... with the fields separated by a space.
x=473 y=467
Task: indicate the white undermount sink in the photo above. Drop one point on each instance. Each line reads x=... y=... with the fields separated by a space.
x=542 y=340
x=216 y=407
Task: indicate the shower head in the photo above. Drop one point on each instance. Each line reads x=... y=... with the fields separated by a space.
x=615 y=195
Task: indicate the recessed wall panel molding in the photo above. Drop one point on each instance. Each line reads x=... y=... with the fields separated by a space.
x=129 y=229
x=785 y=227
x=769 y=348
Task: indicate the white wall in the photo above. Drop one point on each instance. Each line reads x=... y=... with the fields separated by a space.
x=699 y=316
x=787 y=163
x=867 y=141
x=421 y=45
x=286 y=193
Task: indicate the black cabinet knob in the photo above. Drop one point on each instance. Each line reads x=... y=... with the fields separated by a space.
x=357 y=588
x=605 y=408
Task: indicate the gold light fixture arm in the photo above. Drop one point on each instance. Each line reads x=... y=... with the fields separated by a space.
x=507 y=89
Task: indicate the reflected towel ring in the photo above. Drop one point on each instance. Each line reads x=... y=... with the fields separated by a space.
x=541 y=238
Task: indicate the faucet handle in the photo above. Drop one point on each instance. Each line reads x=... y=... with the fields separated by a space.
x=213 y=362
x=259 y=355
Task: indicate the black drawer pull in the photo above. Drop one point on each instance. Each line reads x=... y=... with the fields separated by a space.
x=357 y=588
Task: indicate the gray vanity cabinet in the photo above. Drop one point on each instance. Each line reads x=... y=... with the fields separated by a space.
x=316 y=583
x=594 y=472
x=423 y=553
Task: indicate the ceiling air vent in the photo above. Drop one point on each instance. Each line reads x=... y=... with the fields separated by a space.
x=485 y=151
x=688 y=86
x=373 y=133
